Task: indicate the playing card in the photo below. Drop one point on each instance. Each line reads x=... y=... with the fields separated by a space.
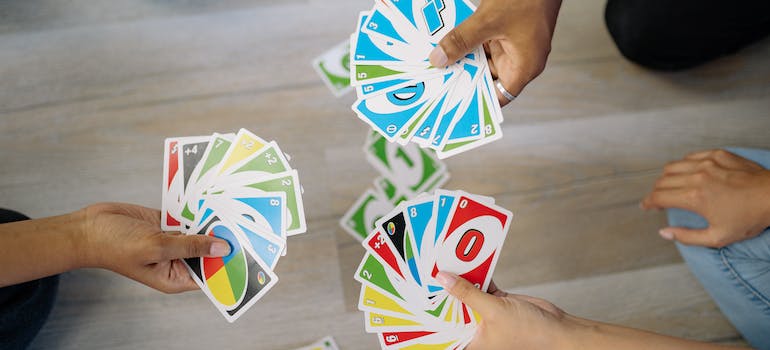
x=405 y=99
x=451 y=231
x=203 y=172
x=258 y=218
x=233 y=282
x=287 y=182
x=359 y=220
x=172 y=186
x=244 y=145
x=240 y=188
x=409 y=166
x=333 y=66
x=390 y=191
x=471 y=241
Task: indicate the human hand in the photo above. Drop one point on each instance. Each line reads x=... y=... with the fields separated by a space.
x=516 y=35
x=732 y=193
x=127 y=239
x=509 y=321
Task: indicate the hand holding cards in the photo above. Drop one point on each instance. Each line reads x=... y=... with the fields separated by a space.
x=240 y=188
x=450 y=231
x=403 y=97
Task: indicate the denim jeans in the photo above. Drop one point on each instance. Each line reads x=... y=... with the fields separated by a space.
x=737 y=276
x=24 y=307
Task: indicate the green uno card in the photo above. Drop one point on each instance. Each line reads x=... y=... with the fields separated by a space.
x=333 y=66
x=202 y=174
x=360 y=218
x=268 y=160
x=410 y=167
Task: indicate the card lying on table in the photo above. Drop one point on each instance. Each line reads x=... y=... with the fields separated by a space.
x=451 y=231
x=405 y=170
x=240 y=188
x=400 y=95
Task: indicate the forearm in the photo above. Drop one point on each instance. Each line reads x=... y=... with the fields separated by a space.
x=38 y=248
x=597 y=336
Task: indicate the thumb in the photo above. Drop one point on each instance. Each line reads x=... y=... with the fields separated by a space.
x=688 y=236
x=192 y=246
x=483 y=303
x=460 y=41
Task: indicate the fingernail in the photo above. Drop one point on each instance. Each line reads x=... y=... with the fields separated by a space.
x=219 y=249
x=666 y=234
x=446 y=280
x=438 y=57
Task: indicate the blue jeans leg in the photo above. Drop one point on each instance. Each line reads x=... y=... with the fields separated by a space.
x=737 y=276
x=24 y=307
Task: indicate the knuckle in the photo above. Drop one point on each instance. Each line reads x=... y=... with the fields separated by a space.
x=708 y=164
x=701 y=177
x=722 y=154
x=194 y=248
x=694 y=195
x=458 y=41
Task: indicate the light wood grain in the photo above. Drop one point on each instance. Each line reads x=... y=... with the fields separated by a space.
x=89 y=92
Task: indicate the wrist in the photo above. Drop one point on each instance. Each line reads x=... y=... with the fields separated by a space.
x=580 y=334
x=79 y=223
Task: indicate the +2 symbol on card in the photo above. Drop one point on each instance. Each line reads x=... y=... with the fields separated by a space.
x=432 y=13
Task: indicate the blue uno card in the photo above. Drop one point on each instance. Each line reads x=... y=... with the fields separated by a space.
x=442 y=207
x=418 y=218
x=469 y=124
x=269 y=212
x=367 y=49
x=374 y=88
x=390 y=112
x=264 y=248
x=379 y=23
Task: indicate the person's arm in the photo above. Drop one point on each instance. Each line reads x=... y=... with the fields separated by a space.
x=511 y=321
x=123 y=238
x=516 y=35
x=42 y=247
x=732 y=193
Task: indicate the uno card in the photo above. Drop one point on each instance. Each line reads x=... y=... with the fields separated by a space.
x=394 y=227
x=234 y=282
x=287 y=182
x=244 y=145
x=172 y=186
x=203 y=172
x=359 y=220
x=333 y=66
x=409 y=166
x=268 y=160
x=471 y=240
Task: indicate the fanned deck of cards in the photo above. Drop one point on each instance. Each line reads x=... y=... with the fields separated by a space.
x=404 y=171
x=240 y=188
x=451 y=231
x=400 y=95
